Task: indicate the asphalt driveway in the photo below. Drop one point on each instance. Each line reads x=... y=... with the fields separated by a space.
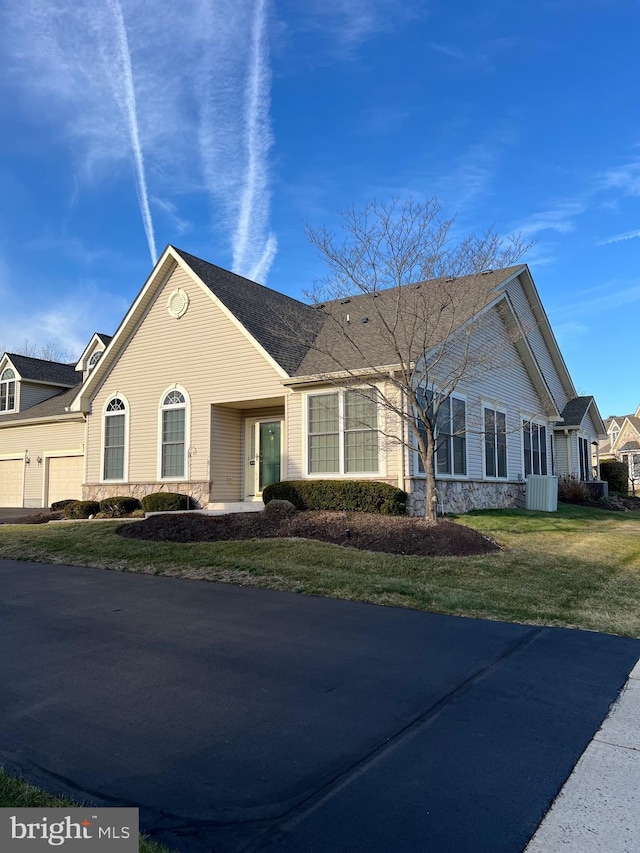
x=7 y=514
x=247 y=719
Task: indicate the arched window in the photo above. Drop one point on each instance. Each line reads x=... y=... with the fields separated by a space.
x=7 y=390
x=173 y=435
x=95 y=358
x=115 y=423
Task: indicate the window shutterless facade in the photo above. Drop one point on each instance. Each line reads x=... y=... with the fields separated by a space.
x=173 y=438
x=495 y=443
x=534 y=443
x=342 y=433
x=450 y=437
x=115 y=423
x=7 y=390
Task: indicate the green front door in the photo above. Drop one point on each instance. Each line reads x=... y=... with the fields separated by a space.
x=270 y=452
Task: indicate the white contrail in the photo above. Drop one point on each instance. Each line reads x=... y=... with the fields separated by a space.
x=254 y=200
x=261 y=269
x=132 y=121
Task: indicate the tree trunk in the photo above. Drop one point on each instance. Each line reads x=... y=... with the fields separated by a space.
x=430 y=496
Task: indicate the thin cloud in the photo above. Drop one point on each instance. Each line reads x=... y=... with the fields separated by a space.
x=625 y=178
x=254 y=201
x=559 y=218
x=350 y=23
x=619 y=238
x=449 y=50
x=166 y=93
x=125 y=73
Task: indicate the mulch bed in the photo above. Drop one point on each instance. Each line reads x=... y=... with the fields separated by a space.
x=616 y=503
x=366 y=531
x=36 y=518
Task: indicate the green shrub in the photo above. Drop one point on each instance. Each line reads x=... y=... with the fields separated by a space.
x=119 y=505
x=346 y=495
x=81 y=509
x=616 y=474
x=166 y=502
x=56 y=506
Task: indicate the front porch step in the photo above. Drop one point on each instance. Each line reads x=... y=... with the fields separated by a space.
x=235 y=506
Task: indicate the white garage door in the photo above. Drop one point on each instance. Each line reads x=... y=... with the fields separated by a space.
x=11 y=482
x=65 y=478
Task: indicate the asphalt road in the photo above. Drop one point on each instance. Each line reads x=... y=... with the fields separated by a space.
x=247 y=719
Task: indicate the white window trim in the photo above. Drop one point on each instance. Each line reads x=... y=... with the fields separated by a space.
x=549 y=433
x=16 y=390
x=496 y=407
x=341 y=474
x=127 y=412
x=187 y=433
x=421 y=475
x=95 y=356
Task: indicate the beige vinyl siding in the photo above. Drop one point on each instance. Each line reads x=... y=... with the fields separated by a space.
x=295 y=436
x=537 y=342
x=39 y=440
x=203 y=352
x=226 y=453
x=31 y=394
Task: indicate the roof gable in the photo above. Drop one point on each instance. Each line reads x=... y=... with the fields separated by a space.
x=576 y=411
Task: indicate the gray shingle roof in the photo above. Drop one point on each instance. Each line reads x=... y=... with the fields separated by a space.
x=372 y=329
x=48 y=408
x=106 y=339
x=40 y=370
x=575 y=410
x=274 y=320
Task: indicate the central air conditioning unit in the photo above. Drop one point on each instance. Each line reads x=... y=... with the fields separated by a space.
x=542 y=492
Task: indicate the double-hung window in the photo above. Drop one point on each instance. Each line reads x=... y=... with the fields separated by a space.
x=534 y=442
x=449 y=435
x=115 y=416
x=7 y=390
x=174 y=408
x=495 y=442
x=342 y=432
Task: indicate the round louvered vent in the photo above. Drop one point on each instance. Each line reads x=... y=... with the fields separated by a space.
x=178 y=303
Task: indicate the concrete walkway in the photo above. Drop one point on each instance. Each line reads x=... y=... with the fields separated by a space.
x=598 y=809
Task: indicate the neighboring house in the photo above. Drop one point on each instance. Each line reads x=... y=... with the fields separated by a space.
x=206 y=389
x=623 y=443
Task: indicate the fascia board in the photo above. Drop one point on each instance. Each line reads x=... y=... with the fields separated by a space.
x=507 y=312
x=546 y=331
x=157 y=278
x=86 y=351
x=45 y=419
x=341 y=375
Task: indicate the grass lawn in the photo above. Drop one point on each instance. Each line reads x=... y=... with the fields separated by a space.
x=15 y=793
x=578 y=567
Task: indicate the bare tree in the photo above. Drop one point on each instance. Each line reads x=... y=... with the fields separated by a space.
x=47 y=352
x=400 y=318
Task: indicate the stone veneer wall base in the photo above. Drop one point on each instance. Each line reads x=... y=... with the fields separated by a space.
x=199 y=491
x=460 y=496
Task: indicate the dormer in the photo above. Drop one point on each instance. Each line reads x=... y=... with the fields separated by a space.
x=92 y=354
x=26 y=381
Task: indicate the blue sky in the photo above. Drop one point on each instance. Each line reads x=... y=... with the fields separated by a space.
x=223 y=125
